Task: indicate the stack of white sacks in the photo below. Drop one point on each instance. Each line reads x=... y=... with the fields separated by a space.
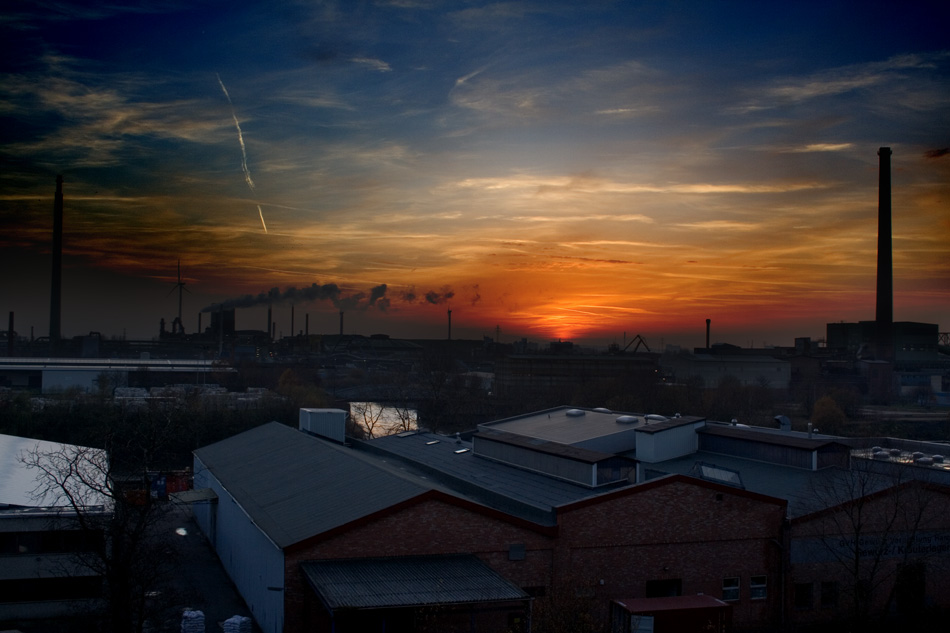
x=237 y=624
x=193 y=622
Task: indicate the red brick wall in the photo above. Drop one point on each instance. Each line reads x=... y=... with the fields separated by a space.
x=675 y=530
x=679 y=530
x=432 y=526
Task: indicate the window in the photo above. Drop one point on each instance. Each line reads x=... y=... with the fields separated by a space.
x=803 y=595
x=829 y=594
x=664 y=588
x=758 y=589
x=730 y=588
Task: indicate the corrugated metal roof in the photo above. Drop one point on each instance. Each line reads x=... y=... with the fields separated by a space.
x=529 y=495
x=408 y=581
x=295 y=486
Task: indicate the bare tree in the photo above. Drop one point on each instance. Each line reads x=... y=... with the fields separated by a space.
x=875 y=523
x=116 y=512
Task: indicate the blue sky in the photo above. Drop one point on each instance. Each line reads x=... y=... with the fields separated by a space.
x=546 y=169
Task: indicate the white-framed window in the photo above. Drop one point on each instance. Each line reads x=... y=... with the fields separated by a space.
x=758 y=587
x=730 y=588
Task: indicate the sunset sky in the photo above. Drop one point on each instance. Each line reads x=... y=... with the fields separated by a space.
x=545 y=169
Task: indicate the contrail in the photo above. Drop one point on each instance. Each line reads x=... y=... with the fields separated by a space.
x=247 y=173
x=262 y=217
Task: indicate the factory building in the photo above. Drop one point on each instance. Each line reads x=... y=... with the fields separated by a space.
x=631 y=516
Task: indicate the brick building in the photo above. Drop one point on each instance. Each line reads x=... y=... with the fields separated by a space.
x=600 y=514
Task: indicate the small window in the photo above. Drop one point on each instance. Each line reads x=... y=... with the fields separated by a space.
x=829 y=594
x=803 y=595
x=730 y=588
x=758 y=589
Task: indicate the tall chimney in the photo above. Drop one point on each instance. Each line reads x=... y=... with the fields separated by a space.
x=269 y=315
x=11 y=337
x=884 y=316
x=708 y=321
x=341 y=322
x=306 y=324
x=450 y=325
x=56 y=289
x=199 y=323
x=291 y=320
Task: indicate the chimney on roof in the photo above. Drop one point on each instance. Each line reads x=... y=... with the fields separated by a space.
x=56 y=288
x=884 y=316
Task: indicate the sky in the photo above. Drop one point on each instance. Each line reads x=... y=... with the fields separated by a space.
x=550 y=170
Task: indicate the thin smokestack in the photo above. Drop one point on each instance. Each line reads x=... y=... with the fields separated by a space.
x=10 y=336
x=341 y=322
x=199 y=323
x=56 y=289
x=450 y=325
x=269 y=316
x=708 y=321
x=292 y=330
x=885 y=270
x=306 y=324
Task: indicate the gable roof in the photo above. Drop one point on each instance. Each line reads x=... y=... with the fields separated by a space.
x=294 y=486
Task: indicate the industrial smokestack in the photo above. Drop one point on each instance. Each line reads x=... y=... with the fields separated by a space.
x=269 y=316
x=292 y=320
x=884 y=315
x=56 y=288
x=11 y=337
x=450 y=325
x=306 y=324
x=199 y=323
x=708 y=321
x=341 y=322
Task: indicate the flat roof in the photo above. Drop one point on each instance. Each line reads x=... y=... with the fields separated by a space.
x=771 y=436
x=566 y=425
x=672 y=603
x=407 y=581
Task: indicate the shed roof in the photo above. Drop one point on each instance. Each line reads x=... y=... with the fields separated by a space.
x=672 y=603
x=407 y=581
x=317 y=487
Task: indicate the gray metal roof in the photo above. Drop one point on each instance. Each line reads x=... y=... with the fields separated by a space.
x=295 y=486
x=805 y=490
x=522 y=493
x=770 y=436
x=409 y=581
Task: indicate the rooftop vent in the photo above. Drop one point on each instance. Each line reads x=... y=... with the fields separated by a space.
x=655 y=417
x=627 y=419
x=938 y=459
x=602 y=410
x=575 y=413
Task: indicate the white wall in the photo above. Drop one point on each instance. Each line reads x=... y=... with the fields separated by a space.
x=253 y=562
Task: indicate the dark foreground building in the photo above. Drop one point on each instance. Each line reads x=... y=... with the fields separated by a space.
x=610 y=519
